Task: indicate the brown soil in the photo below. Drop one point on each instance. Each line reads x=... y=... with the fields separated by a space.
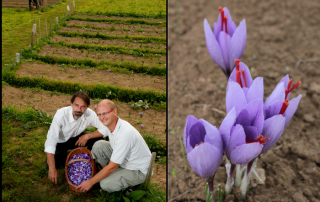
x=159 y=176
x=145 y=28
x=108 y=32
x=122 y=18
x=108 y=42
x=98 y=56
x=282 y=38
x=154 y=120
x=93 y=76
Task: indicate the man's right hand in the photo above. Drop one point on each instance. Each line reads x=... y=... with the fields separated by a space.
x=53 y=175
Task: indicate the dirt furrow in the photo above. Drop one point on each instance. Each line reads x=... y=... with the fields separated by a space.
x=121 y=18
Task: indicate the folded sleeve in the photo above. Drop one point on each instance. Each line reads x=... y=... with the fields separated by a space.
x=52 y=136
x=97 y=123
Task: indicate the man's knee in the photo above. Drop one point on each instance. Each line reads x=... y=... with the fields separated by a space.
x=109 y=186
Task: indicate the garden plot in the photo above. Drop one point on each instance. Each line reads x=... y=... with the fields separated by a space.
x=116 y=26
x=155 y=47
x=150 y=20
x=113 y=32
x=99 y=55
x=92 y=76
x=154 y=120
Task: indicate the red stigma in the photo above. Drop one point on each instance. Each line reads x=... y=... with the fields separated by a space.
x=225 y=23
x=222 y=17
x=238 y=73
x=260 y=139
x=198 y=144
x=244 y=79
x=288 y=90
x=284 y=106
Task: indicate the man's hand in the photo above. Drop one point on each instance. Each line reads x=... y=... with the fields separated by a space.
x=53 y=175
x=85 y=186
x=82 y=140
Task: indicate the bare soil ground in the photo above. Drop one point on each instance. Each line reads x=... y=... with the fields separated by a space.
x=98 y=56
x=93 y=76
x=154 y=120
x=282 y=38
x=108 y=42
x=109 y=32
x=121 y=18
x=145 y=28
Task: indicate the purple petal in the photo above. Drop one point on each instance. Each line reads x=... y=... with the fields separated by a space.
x=226 y=125
x=224 y=43
x=243 y=118
x=292 y=108
x=205 y=159
x=197 y=133
x=213 y=46
x=237 y=138
x=235 y=97
x=191 y=120
x=255 y=110
x=247 y=74
x=238 y=43
x=251 y=132
x=273 y=129
x=256 y=90
x=213 y=136
x=273 y=109
x=245 y=153
x=230 y=24
x=277 y=94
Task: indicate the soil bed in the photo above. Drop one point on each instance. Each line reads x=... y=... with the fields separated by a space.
x=108 y=32
x=145 y=28
x=154 y=120
x=93 y=76
x=275 y=46
x=98 y=56
x=121 y=18
x=102 y=42
x=159 y=175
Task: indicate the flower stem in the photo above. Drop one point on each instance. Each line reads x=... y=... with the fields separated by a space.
x=237 y=182
x=246 y=180
x=210 y=183
x=230 y=170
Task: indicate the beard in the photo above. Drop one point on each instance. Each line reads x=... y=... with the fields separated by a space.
x=77 y=116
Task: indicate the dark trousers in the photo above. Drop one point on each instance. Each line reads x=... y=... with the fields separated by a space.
x=61 y=154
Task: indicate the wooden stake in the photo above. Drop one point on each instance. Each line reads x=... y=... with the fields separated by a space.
x=20 y=56
x=46 y=29
x=31 y=41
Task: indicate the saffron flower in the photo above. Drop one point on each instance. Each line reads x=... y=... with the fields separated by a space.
x=226 y=42
x=109 y=70
x=132 y=105
x=142 y=125
x=140 y=114
x=204 y=147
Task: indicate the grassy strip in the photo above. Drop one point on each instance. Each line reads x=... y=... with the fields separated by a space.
x=103 y=64
x=160 y=15
x=25 y=177
x=119 y=21
x=146 y=52
x=138 y=39
x=114 y=29
x=94 y=91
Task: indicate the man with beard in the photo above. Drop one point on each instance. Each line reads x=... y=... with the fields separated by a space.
x=66 y=132
x=124 y=159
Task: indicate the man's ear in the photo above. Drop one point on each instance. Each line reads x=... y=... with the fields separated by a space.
x=115 y=111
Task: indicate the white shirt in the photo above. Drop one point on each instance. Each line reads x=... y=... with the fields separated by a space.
x=64 y=127
x=127 y=143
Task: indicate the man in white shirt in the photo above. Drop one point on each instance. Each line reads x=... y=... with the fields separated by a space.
x=124 y=159
x=66 y=132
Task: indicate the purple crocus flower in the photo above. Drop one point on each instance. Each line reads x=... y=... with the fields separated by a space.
x=145 y=107
x=132 y=105
x=140 y=113
x=204 y=147
x=109 y=70
x=95 y=106
x=142 y=125
x=226 y=42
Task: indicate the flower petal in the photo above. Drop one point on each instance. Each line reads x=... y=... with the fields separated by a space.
x=237 y=137
x=256 y=90
x=213 y=46
x=235 y=97
x=230 y=24
x=256 y=117
x=247 y=74
x=292 y=108
x=251 y=132
x=225 y=127
x=245 y=153
x=213 y=136
x=238 y=43
x=197 y=133
x=191 y=120
x=224 y=43
x=273 y=109
x=243 y=118
x=205 y=159
x=277 y=94
x=273 y=128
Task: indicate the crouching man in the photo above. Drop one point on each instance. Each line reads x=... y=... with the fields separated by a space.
x=124 y=159
x=66 y=132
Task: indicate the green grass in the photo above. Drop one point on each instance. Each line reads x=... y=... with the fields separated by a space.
x=24 y=173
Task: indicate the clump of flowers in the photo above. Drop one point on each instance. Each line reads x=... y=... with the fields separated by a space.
x=143 y=104
x=79 y=171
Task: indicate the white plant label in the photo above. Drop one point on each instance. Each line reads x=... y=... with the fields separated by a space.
x=17 y=57
x=68 y=8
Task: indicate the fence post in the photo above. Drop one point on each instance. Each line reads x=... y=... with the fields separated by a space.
x=31 y=41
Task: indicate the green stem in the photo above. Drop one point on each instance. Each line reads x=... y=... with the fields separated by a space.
x=184 y=156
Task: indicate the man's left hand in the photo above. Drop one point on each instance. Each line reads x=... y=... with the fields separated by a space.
x=82 y=140
x=84 y=186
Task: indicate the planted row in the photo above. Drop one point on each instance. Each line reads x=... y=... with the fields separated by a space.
x=124 y=14
x=93 y=90
x=119 y=21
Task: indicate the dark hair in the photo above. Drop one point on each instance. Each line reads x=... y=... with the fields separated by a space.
x=83 y=95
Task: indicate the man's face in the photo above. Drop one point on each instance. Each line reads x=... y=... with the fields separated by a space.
x=79 y=106
x=106 y=118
